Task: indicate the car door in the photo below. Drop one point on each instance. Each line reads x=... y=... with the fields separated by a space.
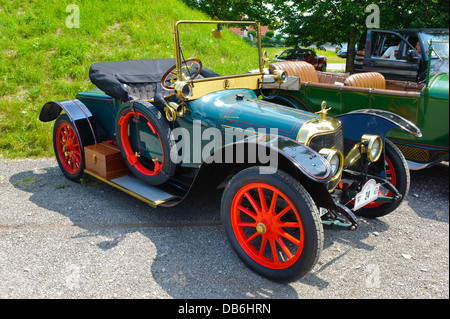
x=401 y=68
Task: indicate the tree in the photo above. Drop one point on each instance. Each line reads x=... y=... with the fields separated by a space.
x=332 y=21
x=234 y=10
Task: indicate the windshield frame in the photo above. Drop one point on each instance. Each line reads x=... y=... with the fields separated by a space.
x=177 y=40
x=435 y=37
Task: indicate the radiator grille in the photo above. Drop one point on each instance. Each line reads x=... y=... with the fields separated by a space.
x=335 y=139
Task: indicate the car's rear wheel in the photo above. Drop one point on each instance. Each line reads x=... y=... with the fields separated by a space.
x=272 y=224
x=67 y=147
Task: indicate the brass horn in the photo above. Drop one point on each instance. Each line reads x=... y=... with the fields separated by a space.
x=173 y=110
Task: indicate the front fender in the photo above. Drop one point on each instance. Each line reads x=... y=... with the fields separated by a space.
x=77 y=112
x=278 y=152
x=371 y=121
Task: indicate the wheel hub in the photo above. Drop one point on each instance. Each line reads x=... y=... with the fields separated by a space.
x=261 y=228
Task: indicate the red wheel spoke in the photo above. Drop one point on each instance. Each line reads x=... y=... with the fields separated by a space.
x=289 y=224
x=256 y=234
x=263 y=246
x=262 y=199
x=290 y=238
x=273 y=248
x=252 y=201
x=284 y=248
x=284 y=211
x=241 y=224
x=273 y=203
x=249 y=213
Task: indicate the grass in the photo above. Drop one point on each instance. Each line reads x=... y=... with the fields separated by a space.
x=41 y=59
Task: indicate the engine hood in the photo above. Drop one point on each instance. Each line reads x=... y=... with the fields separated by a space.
x=242 y=110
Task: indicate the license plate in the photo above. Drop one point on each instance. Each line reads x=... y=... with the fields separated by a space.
x=368 y=194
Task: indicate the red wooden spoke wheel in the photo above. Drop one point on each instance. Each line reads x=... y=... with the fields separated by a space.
x=272 y=224
x=68 y=149
x=272 y=236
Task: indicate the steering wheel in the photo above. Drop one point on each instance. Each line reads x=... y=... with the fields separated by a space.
x=186 y=65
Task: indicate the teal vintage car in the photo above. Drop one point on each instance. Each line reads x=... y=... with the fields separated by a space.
x=426 y=104
x=163 y=129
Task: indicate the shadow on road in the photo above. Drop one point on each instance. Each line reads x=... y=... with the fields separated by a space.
x=193 y=258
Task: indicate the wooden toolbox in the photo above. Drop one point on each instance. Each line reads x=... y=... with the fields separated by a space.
x=105 y=160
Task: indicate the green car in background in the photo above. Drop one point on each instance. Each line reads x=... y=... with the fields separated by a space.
x=425 y=104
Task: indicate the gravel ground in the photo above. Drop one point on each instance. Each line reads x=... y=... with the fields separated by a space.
x=60 y=239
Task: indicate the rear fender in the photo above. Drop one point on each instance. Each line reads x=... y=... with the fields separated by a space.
x=77 y=112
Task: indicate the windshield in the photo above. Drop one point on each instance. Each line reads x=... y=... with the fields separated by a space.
x=225 y=48
x=440 y=44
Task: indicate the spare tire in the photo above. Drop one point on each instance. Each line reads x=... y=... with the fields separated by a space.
x=144 y=139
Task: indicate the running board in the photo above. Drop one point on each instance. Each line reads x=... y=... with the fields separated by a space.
x=136 y=188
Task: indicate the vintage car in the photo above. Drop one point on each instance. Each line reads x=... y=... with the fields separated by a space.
x=412 y=54
x=307 y=55
x=424 y=104
x=163 y=129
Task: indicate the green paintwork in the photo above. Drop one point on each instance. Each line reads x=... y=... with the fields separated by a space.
x=429 y=111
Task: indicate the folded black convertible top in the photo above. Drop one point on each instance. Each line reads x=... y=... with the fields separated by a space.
x=110 y=77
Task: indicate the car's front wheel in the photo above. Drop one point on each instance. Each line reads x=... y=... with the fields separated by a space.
x=272 y=224
x=397 y=173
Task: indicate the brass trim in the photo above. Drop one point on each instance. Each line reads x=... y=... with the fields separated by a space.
x=329 y=153
x=249 y=81
x=353 y=155
x=371 y=140
x=202 y=87
x=317 y=127
x=261 y=228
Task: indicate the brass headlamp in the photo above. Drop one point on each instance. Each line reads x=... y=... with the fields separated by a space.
x=336 y=161
x=372 y=145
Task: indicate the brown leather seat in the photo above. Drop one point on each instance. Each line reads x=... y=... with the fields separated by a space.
x=370 y=80
x=303 y=70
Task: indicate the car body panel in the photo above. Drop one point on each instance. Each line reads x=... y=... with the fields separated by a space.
x=427 y=109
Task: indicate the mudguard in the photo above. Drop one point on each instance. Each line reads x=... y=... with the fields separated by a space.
x=371 y=121
x=309 y=167
x=77 y=112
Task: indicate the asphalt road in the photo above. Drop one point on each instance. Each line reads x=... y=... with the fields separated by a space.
x=60 y=239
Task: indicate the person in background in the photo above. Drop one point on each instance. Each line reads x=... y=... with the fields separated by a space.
x=391 y=52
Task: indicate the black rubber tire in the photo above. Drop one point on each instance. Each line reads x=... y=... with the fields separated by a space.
x=401 y=170
x=154 y=117
x=307 y=213
x=77 y=175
